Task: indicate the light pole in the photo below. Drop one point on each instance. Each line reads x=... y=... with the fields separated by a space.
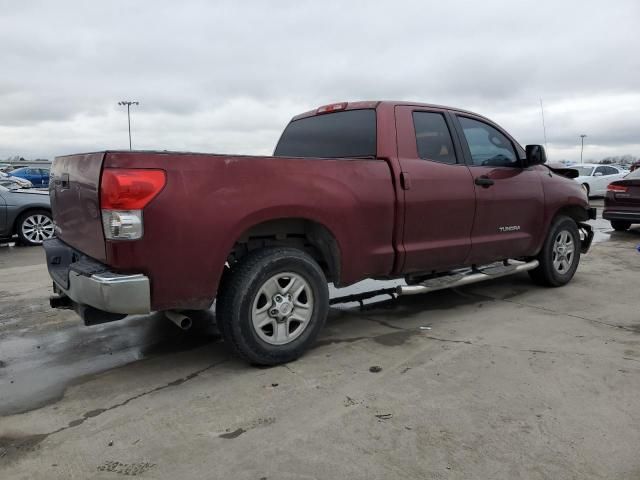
x=128 y=103
x=581 y=145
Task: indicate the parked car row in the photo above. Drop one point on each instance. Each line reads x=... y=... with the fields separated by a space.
x=39 y=177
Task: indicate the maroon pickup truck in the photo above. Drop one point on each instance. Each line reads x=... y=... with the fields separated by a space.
x=438 y=196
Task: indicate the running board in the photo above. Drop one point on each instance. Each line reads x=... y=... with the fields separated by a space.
x=462 y=278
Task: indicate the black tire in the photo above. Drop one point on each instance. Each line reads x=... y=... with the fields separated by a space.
x=23 y=237
x=620 y=225
x=240 y=289
x=546 y=274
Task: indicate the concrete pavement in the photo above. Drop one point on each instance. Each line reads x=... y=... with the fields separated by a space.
x=499 y=380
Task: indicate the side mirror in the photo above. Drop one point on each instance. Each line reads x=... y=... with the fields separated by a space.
x=597 y=174
x=535 y=155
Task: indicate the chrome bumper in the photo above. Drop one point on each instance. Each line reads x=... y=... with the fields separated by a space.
x=89 y=283
x=110 y=292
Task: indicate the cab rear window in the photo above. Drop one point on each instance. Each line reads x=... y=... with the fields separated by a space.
x=346 y=134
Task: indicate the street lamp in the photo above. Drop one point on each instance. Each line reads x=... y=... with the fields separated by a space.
x=581 y=145
x=128 y=103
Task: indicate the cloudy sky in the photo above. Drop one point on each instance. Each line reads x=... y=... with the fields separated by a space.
x=225 y=77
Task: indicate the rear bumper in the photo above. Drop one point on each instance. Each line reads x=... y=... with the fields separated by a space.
x=624 y=215
x=110 y=292
x=89 y=283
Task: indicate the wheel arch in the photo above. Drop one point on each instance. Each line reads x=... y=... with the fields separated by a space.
x=577 y=212
x=307 y=234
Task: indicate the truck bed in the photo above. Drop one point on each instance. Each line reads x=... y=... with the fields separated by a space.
x=210 y=200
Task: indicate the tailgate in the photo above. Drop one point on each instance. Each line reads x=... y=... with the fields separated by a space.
x=75 y=202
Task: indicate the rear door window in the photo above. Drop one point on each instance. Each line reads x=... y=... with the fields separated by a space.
x=433 y=138
x=350 y=134
x=488 y=147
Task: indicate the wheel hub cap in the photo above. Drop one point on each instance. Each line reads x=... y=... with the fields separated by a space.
x=37 y=228
x=282 y=308
x=563 y=252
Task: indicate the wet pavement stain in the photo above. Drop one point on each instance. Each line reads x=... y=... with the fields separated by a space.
x=635 y=328
x=395 y=339
x=234 y=434
x=12 y=447
x=16 y=446
x=33 y=377
x=331 y=341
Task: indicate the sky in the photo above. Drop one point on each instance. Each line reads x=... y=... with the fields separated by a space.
x=226 y=76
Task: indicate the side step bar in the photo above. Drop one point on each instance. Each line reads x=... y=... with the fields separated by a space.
x=465 y=278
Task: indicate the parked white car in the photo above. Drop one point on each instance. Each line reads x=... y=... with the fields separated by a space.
x=22 y=182
x=594 y=178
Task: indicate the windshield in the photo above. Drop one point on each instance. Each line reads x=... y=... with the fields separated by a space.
x=583 y=171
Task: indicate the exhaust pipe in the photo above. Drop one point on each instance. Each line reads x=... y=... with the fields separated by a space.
x=459 y=280
x=182 y=321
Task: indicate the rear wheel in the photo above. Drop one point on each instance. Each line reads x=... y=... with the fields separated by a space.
x=560 y=254
x=34 y=227
x=620 y=225
x=272 y=305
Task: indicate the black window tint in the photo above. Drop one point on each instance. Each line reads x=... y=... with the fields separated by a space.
x=601 y=170
x=488 y=146
x=610 y=170
x=351 y=133
x=433 y=137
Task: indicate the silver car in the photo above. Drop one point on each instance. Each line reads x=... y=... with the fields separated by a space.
x=25 y=212
x=23 y=182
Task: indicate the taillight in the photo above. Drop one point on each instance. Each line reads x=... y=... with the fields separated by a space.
x=129 y=189
x=123 y=195
x=617 y=188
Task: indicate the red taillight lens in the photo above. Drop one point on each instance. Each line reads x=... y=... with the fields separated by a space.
x=129 y=189
x=617 y=188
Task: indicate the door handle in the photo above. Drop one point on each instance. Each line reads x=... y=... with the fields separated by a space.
x=484 y=181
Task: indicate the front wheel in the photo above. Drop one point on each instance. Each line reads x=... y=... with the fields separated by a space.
x=560 y=254
x=272 y=305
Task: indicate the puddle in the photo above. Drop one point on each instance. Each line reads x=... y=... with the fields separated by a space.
x=37 y=369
